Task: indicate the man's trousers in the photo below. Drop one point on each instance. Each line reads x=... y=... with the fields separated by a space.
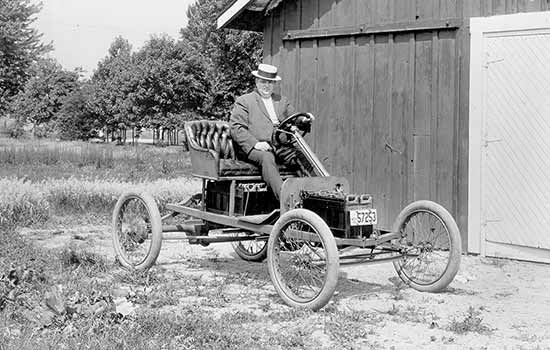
x=270 y=171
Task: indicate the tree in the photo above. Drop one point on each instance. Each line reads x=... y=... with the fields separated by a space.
x=111 y=84
x=229 y=55
x=20 y=46
x=170 y=84
x=44 y=93
x=76 y=119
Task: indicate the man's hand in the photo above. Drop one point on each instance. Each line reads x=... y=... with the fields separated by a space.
x=262 y=146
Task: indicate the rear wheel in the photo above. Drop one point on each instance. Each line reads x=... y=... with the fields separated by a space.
x=254 y=250
x=137 y=231
x=303 y=259
x=430 y=245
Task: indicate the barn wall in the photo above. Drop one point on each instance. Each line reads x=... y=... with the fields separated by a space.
x=389 y=89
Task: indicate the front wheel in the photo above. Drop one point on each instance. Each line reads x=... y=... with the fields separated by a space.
x=137 y=231
x=430 y=245
x=303 y=259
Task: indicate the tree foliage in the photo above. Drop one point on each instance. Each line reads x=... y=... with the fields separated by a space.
x=161 y=85
x=75 y=119
x=229 y=55
x=111 y=86
x=169 y=83
x=20 y=46
x=44 y=93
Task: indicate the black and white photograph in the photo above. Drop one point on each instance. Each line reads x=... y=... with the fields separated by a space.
x=275 y=174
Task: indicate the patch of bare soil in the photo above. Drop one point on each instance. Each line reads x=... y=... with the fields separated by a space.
x=491 y=304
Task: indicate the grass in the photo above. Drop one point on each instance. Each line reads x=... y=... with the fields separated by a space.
x=36 y=160
x=165 y=317
x=348 y=327
x=26 y=203
x=41 y=178
x=79 y=154
x=86 y=282
x=22 y=203
x=411 y=313
x=79 y=257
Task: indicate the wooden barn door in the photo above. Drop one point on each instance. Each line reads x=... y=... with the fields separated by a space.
x=510 y=116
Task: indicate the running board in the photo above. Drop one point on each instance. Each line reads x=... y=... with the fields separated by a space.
x=221 y=219
x=260 y=219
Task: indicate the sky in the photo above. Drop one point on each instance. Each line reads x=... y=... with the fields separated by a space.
x=82 y=30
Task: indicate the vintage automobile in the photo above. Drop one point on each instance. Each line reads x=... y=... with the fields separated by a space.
x=316 y=225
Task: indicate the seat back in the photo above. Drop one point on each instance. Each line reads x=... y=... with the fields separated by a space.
x=210 y=135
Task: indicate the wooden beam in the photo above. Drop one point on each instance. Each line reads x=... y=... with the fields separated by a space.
x=232 y=12
x=365 y=29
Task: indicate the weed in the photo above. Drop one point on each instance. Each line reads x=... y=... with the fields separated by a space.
x=396 y=294
x=496 y=262
x=75 y=257
x=239 y=317
x=22 y=203
x=393 y=311
x=289 y=315
x=472 y=322
x=165 y=167
x=163 y=297
x=346 y=327
x=140 y=278
x=265 y=306
x=291 y=337
x=411 y=313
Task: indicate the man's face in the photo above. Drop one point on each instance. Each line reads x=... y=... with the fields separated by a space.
x=265 y=87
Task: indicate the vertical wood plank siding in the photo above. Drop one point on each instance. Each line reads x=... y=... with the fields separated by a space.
x=392 y=108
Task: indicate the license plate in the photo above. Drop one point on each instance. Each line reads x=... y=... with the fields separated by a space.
x=361 y=217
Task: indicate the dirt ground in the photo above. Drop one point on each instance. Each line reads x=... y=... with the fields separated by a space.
x=499 y=304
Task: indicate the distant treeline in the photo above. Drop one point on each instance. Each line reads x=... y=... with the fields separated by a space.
x=159 y=86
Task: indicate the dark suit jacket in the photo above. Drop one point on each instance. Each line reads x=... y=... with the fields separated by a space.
x=250 y=122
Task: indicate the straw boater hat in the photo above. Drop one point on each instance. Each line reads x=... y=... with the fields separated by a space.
x=266 y=72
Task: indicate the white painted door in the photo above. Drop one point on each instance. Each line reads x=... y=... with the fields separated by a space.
x=512 y=120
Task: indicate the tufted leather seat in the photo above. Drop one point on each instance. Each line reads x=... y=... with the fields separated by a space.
x=212 y=151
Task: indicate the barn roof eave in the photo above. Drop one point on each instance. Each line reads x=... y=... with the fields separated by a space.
x=246 y=14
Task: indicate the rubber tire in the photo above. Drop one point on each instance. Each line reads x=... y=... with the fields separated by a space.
x=455 y=249
x=245 y=255
x=156 y=228
x=333 y=262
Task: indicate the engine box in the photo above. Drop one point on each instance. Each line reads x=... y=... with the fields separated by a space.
x=339 y=211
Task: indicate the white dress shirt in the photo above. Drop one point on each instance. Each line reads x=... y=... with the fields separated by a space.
x=268 y=103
